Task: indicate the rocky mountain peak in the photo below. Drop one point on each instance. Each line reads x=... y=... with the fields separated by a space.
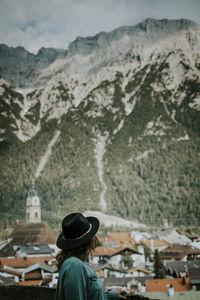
x=50 y=54
x=123 y=136
x=21 y=68
x=148 y=30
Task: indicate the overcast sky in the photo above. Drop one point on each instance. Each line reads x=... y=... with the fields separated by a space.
x=54 y=23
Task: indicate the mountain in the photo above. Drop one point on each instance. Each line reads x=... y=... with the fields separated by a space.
x=21 y=68
x=112 y=123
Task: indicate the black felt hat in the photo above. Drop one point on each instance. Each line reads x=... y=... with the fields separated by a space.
x=77 y=230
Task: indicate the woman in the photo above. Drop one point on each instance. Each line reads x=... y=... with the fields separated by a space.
x=77 y=281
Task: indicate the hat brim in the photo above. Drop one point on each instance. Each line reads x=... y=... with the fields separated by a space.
x=66 y=244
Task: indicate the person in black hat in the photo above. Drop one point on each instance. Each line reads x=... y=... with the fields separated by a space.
x=77 y=281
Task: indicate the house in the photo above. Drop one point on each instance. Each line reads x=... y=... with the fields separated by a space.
x=105 y=271
x=137 y=272
x=6 y=281
x=31 y=283
x=154 y=244
x=188 y=295
x=181 y=268
x=121 y=238
x=163 y=285
x=36 y=250
x=21 y=263
x=42 y=273
x=129 y=284
x=124 y=283
x=139 y=236
x=29 y=235
x=114 y=256
x=171 y=236
x=10 y=273
x=48 y=274
x=194 y=276
x=180 y=252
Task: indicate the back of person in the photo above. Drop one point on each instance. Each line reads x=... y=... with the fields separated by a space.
x=77 y=281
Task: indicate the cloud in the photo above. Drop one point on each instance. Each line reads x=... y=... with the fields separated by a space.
x=55 y=23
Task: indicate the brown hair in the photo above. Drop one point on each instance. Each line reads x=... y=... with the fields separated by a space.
x=82 y=252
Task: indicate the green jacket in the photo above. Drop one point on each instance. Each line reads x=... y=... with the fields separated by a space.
x=77 y=281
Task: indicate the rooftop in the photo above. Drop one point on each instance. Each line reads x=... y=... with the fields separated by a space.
x=111 y=251
x=191 y=295
x=6 y=281
x=121 y=238
x=35 y=249
x=177 y=251
x=156 y=243
x=31 y=282
x=161 y=285
x=182 y=266
x=21 y=262
x=38 y=233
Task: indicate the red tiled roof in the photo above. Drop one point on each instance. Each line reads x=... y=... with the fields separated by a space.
x=177 y=251
x=34 y=233
x=36 y=274
x=156 y=243
x=111 y=251
x=160 y=285
x=137 y=269
x=121 y=238
x=30 y=282
x=20 y=262
x=10 y=271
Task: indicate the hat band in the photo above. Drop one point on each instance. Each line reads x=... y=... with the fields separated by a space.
x=80 y=237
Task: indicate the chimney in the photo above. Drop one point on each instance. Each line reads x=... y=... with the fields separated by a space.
x=186 y=270
x=183 y=280
x=170 y=290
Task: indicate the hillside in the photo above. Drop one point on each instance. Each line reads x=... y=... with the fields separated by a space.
x=111 y=124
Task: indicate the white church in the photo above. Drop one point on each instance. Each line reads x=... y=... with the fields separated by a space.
x=33 y=209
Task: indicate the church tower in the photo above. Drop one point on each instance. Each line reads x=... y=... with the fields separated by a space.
x=33 y=210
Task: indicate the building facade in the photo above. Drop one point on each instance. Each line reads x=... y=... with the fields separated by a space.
x=33 y=209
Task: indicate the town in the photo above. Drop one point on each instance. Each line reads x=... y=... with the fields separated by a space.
x=164 y=264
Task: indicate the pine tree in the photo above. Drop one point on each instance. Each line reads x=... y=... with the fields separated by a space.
x=158 y=266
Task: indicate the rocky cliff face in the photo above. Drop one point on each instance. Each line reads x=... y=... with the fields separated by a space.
x=21 y=68
x=113 y=121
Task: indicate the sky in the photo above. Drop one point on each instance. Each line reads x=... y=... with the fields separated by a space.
x=55 y=23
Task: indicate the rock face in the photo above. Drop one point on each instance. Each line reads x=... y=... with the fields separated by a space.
x=21 y=68
x=114 y=122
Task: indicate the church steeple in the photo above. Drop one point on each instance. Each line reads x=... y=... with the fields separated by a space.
x=33 y=210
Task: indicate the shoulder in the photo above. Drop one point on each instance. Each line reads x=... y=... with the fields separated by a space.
x=73 y=263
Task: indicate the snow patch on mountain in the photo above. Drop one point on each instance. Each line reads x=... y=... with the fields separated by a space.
x=145 y=154
x=195 y=104
x=183 y=138
x=99 y=150
x=2 y=82
x=26 y=105
x=47 y=154
x=26 y=130
x=119 y=127
x=157 y=128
